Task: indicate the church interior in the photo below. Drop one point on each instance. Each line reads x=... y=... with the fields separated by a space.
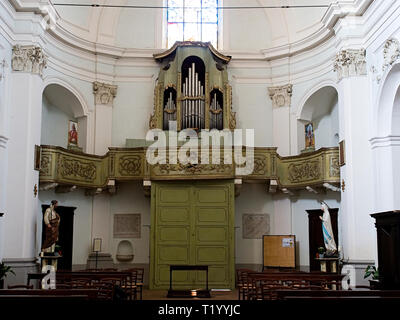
x=221 y=149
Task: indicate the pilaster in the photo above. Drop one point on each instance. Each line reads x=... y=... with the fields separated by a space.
x=357 y=228
x=25 y=95
x=281 y=98
x=104 y=95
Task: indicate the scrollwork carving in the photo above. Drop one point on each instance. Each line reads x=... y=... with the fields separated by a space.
x=73 y=168
x=334 y=167
x=260 y=166
x=193 y=169
x=130 y=165
x=304 y=171
x=45 y=165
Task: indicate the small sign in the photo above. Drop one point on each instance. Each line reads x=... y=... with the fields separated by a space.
x=287 y=243
x=96 y=244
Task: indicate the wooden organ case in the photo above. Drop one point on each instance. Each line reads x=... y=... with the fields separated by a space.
x=193 y=89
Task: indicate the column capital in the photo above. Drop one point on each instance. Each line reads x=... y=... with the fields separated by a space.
x=281 y=96
x=104 y=93
x=28 y=59
x=350 y=63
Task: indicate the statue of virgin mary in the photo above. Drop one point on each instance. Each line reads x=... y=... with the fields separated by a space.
x=329 y=240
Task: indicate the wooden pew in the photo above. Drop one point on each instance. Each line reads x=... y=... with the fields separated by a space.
x=262 y=285
x=108 y=282
x=80 y=294
x=336 y=294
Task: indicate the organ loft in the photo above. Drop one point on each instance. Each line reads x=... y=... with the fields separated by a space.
x=193 y=89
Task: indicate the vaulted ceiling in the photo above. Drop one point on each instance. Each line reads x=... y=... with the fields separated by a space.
x=121 y=27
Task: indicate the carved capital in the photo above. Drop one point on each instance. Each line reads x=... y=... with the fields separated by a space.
x=28 y=59
x=350 y=63
x=104 y=93
x=281 y=96
x=391 y=53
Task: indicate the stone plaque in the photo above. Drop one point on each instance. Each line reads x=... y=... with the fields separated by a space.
x=255 y=225
x=127 y=225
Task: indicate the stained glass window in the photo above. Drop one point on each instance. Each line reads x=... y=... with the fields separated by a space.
x=192 y=20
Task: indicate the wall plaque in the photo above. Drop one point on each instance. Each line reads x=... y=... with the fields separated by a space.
x=255 y=225
x=127 y=225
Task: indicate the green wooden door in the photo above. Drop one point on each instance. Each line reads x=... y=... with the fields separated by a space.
x=192 y=223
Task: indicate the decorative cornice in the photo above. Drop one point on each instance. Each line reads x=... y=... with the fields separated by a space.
x=104 y=93
x=169 y=52
x=350 y=63
x=391 y=53
x=281 y=96
x=28 y=59
x=382 y=142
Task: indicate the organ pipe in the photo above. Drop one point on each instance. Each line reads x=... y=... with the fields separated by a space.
x=193 y=101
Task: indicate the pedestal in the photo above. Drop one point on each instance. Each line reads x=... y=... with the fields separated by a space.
x=333 y=264
x=48 y=261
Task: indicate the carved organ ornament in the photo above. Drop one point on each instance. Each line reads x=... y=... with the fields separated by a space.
x=193 y=89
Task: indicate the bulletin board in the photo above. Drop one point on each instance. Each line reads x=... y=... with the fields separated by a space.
x=279 y=251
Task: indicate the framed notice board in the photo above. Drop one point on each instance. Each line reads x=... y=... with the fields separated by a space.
x=279 y=251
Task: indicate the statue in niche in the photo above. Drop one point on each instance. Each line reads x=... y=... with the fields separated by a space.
x=52 y=222
x=310 y=138
x=329 y=240
x=72 y=133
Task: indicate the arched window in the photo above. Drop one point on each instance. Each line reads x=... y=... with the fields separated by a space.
x=192 y=20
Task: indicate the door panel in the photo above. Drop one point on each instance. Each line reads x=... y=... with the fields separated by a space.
x=192 y=223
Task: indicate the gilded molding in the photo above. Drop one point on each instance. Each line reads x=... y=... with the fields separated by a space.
x=66 y=167
x=350 y=63
x=104 y=93
x=28 y=59
x=281 y=96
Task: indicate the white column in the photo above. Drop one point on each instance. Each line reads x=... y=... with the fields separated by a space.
x=358 y=233
x=104 y=95
x=281 y=102
x=23 y=209
x=3 y=149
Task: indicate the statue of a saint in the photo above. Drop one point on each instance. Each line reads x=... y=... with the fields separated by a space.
x=52 y=223
x=329 y=240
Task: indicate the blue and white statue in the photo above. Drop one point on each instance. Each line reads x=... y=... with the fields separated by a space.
x=329 y=239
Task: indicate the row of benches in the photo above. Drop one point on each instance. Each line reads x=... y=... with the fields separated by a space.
x=87 y=285
x=296 y=285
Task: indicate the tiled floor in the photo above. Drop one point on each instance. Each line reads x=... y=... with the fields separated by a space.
x=215 y=295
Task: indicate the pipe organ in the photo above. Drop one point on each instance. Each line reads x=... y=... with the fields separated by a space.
x=193 y=89
x=193 y=101
x=169 y=113
x=216 y=111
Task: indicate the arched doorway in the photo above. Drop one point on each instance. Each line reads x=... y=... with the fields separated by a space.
x=385 y=143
